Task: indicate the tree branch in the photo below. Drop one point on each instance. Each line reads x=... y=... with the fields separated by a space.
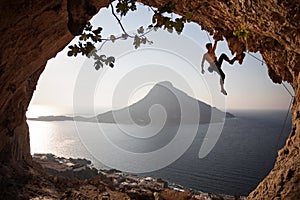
x=119 y=21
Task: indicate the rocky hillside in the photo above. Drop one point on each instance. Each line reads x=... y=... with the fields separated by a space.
x=32 y=32
x=165 y=94
x=78 y=180
x=172 y=100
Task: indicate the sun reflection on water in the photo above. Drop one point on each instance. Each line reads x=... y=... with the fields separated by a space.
x=40 y=137
x=42 y=110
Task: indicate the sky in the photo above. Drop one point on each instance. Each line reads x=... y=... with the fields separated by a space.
x=72 y=85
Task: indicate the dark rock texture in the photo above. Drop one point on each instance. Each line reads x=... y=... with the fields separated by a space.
x=32 y=32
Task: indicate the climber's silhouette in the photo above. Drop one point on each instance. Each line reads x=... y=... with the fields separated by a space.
x=215 y=64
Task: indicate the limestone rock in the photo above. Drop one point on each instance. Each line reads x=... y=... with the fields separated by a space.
x=32 y=32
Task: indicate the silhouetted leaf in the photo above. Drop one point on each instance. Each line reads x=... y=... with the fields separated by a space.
x=111 y=59
x=124 y=36
x=88 y=27
x=98 y=64
x=123 y=6
x=140 y=30
x=70 y=53
x=160 y=19
x=102 y=58
x=188 y=16
x=97 y=31
x=137 y=41
x=144 y=40
x=83 y=37
x=170 y=30
x=112 y=38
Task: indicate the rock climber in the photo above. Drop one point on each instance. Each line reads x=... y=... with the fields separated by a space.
x=215 y=64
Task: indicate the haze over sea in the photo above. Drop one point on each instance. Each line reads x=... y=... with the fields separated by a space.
x=242 y=157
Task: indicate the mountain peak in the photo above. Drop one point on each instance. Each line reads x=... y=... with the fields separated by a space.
x=167 y=84
x=172 y=100
x=168 y=97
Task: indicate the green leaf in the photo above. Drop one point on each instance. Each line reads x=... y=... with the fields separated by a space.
x=89 y=48
x=96 y=38
x=75 y=50
x=178 y=26
x=70 y=53
x=123 y=6
x=188 y=16
x=83 y=37
x=168 y=7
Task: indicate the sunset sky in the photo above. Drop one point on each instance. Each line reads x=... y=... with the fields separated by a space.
x=178 y=56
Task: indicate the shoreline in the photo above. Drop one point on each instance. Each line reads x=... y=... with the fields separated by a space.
x=114 y=184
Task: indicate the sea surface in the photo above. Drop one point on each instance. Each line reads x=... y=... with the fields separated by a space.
x=243 y=155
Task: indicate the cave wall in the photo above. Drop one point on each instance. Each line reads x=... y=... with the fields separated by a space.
x=34 y=31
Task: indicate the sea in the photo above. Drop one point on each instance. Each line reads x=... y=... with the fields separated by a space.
x=243 y=155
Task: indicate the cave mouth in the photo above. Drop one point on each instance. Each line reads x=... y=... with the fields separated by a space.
x=60 y=138
x=43 y=29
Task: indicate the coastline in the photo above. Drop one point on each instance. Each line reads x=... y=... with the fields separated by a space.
x=82 y=179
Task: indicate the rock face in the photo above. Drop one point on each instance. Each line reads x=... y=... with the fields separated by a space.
x=31 y=33
x=34 y=31
x=79 y=179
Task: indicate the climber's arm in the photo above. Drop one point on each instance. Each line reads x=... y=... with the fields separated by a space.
x=202 y=63
x=215 y=46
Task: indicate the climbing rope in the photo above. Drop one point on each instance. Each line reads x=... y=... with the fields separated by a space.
x=284 y=123
x=285 y=87
x=288 y=111
x=262 y=62
x=208 y=36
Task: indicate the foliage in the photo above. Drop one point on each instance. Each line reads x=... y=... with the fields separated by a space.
x=159 y=20
x=162 y=18
x=123 y=6
x=87 y=48
x=261 y=19
x=243 y=32
x=233 y=11
x=86 y=41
